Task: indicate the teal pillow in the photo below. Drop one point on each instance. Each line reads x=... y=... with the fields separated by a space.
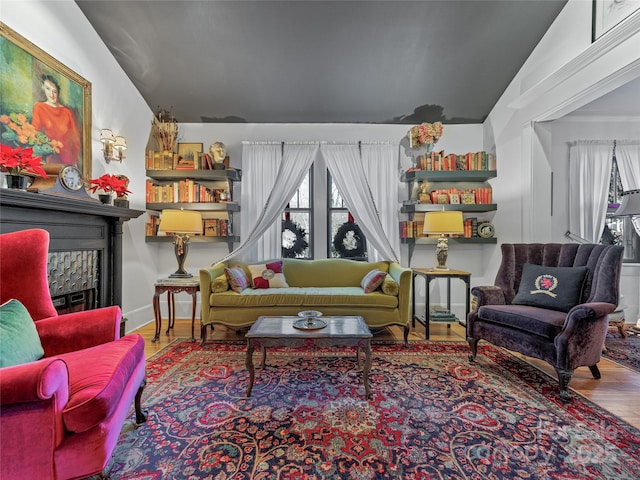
x=19 y=340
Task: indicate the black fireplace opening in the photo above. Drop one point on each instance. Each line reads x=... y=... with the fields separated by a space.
x=73 y=280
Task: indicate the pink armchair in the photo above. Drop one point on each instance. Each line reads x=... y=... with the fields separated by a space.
x=60 y=416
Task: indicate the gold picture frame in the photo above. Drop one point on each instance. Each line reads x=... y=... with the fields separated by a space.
x=187 y=158
x=61 y=135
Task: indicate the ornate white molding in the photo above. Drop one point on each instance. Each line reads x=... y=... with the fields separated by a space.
x=600 y=47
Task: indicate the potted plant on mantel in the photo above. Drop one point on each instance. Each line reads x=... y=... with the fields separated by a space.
x=110 y=183
x=19 y=163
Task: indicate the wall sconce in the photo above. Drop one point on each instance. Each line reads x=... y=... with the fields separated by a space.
x=112 y=146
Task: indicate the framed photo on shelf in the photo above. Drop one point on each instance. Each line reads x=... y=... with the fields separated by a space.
x=41 y=95
x=187 y=157
x=608 y=14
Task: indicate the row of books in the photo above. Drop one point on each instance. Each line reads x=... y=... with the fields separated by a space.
x=470 y=196
x=211 y=227
x=439 y=161
x=217 y=227
x=413 y=229
x=168 y=160
x=186 y=191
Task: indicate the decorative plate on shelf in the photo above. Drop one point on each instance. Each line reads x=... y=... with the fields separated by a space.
x=486 y=230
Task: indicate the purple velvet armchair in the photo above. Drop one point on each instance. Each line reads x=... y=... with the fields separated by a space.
x=566 y=338
x=61 y=415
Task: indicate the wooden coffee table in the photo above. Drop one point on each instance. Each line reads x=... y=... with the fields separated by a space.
x=348 y=331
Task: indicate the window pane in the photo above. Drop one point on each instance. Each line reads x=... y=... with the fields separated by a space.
x=296 y=235
x=300 y=198
x=336 y=199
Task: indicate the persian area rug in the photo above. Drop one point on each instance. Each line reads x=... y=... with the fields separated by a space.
x=625 y=351
x=432 y=415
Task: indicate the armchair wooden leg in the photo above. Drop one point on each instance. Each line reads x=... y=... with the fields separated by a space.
x=141 y=415
x=564 y=377
x=595 y=371
x=473 y=343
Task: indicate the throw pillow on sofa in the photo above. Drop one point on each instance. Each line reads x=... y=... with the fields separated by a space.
x=390 y=286
x=19 y=340
x=556 y=288
x=268 y=275
x=372 y=280
x=220 y=284
x=237 y=279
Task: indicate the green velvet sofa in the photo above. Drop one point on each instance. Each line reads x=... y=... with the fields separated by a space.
x=331 y=286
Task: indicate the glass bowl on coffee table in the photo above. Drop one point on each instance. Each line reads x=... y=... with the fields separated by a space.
x=309 y=320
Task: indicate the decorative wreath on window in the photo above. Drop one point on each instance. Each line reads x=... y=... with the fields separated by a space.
x=299 y=245
x=349 y=241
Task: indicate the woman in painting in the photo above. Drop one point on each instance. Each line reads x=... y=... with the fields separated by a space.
x=57 y=122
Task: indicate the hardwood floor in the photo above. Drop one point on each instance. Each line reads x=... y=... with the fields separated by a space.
x=617 y=391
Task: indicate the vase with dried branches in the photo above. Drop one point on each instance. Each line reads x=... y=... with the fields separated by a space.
x=164 y=128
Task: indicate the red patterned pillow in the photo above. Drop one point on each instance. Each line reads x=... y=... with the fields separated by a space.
x=372 y=280
x=268 y=275
x=237 y=279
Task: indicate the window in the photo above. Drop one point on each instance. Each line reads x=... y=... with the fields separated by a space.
x=297 y=221
x=345 y=239
x=620 y=230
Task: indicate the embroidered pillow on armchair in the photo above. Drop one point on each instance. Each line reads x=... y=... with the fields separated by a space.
x=556 y=288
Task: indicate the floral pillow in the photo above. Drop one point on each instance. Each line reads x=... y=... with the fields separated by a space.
x=237 y=279
x=372 y=280
x=268 y=275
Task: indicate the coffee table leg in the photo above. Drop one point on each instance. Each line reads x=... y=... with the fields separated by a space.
x=249 y=363
x=264 y=357
x=367 y=368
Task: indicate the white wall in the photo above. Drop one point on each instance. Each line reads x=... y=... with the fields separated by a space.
x=565 y=72
x=61 y=29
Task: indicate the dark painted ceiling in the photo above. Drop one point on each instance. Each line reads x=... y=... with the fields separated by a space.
x=322 y=61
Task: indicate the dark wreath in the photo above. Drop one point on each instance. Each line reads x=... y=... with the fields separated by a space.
x=341 y=236
x=299 y=245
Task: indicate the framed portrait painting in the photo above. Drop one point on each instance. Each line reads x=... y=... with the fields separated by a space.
x=607 y=14
x=44 y=104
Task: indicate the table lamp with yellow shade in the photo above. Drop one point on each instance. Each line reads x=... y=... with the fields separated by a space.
x=181 y=223
x=443 y=223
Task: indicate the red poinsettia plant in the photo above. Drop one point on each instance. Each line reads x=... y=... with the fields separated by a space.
x=110 y=183
x=17 y=161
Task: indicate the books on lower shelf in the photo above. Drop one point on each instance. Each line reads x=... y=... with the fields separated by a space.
x=441 y=314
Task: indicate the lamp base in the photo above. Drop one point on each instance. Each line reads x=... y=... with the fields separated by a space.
x=180 y=275
x=442 y=252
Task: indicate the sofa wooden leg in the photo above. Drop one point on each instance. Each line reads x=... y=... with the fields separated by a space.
x=595 y=371
x=141 y=415
x=473 y=343
x=564 y=377
x=406 y=335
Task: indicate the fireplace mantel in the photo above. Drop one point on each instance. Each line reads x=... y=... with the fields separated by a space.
x=73 y=224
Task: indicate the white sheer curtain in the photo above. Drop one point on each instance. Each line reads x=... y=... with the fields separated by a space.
x=589 y=173
x=628 y=160
x=346 y=168
x=380 y=165
x=259 y=165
